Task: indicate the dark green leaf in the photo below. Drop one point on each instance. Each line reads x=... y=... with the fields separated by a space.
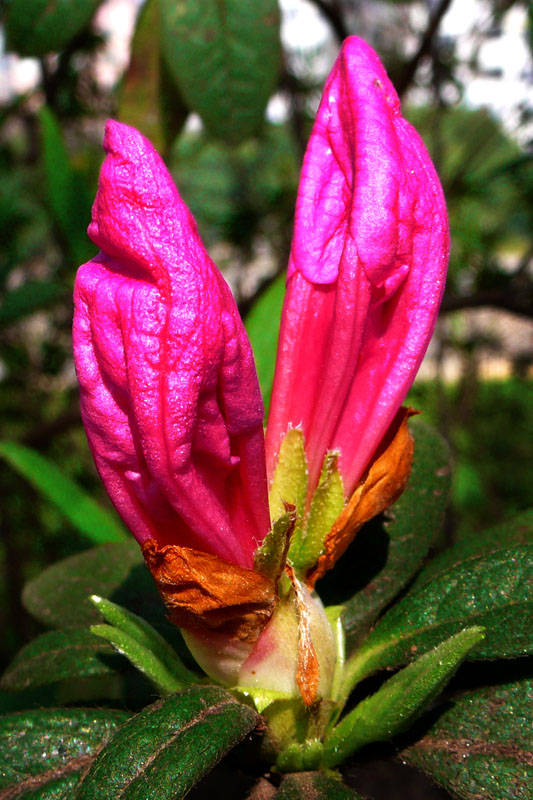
x=61 y=788
x=55 y=656
x=309 y=785
x=482 y=747
x=36 y=27
x=518 y=530
x=59 y=596
x=28 y=298
x=163 y=751
x=42 y=752
x=414 y=522
x=401 y=699
x=492 y=591
x=79 y=508
x=224 y=55
x=262 y=326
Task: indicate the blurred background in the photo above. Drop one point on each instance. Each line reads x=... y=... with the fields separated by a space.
x=229 y=103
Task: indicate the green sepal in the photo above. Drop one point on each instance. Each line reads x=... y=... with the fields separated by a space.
x=145 y=636
x=271 y=556
x=290 y=478
x=326 y=505
x=401 y=699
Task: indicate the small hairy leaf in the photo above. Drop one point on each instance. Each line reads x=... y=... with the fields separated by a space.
x=224 y=55
x=44 y=751
x=163 y=751
x=169 y=669
x=78 y=507
x=401 y=699
x=492 y=591
x=55 y=656
x=481 y=746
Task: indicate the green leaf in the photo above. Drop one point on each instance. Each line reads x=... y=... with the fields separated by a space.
x=313 y=785
x=224 y=55
x=401 y=699
x=481 y=746
x=67 y=193
x=81 y=510
x=518 y=530
x=492 y=591
x=37 y=27
x=143 y=646
x=42 y=752
x=55 y=656
x=59 y=596
x=413 y=523
x=168 y=747
x=262 y=326
x=28 y=298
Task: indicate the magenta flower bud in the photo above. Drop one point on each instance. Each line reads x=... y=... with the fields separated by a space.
x=169 y=392
x=366 y=272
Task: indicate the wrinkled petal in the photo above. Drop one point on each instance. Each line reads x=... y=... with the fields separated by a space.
x=366 y=272
x=169 y=393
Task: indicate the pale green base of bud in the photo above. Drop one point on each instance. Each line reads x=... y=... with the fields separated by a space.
x=271 y=664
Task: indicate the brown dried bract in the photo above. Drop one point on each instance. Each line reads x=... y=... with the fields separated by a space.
x=201 y=591
x=308 y=668
x=382 y=484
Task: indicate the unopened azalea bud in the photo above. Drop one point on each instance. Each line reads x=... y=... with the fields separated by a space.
x=365 y=280
x=169 y=393
x=366 y=273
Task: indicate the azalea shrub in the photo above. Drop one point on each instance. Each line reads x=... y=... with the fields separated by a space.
x=282 y=602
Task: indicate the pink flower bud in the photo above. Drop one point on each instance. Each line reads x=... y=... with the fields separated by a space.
x=366 y=272
x=169 y=392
